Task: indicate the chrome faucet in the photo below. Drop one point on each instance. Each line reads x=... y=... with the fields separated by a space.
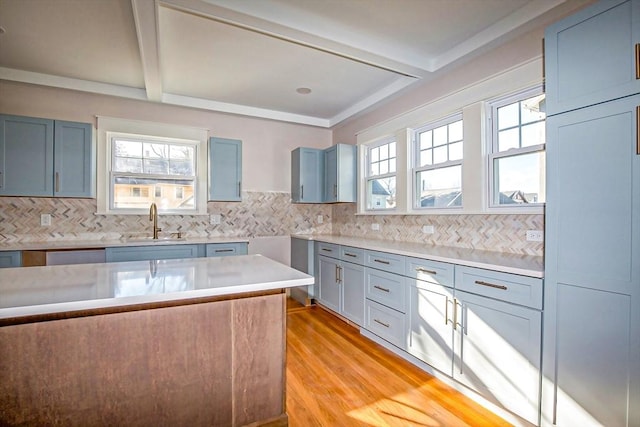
x=153 y=216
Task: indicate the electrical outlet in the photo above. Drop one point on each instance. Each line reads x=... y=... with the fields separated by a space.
x=320 y=219
x=45 y=220
x=535 y=235
x=215 y=219
x=375 y=226
x=428 y=229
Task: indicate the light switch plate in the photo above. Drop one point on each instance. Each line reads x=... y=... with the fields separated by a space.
x=320 y=219
x=215 y=219
x=535 y=235
x=428 y=229
x=45 y=220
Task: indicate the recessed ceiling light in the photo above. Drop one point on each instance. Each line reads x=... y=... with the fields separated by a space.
x=303 y=90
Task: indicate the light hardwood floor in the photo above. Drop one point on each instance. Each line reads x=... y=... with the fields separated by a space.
x=336 y=377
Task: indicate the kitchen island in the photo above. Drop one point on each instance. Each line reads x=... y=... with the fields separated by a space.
x=173 y=342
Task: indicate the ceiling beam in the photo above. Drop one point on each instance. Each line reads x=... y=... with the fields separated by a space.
x=145 y=18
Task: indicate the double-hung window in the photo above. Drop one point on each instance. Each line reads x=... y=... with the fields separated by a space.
x=517 y=152
x=147 y=170
x=381 y=175
x=437 y=164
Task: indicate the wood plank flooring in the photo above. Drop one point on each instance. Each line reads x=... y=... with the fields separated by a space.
x=336 y=377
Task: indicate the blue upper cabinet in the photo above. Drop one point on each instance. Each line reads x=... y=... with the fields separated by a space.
x=593 y=56
x=225 y=170
x=26 y=156
x=74 y=160
x=340 y=173
x=307 y=175
x=41 y=157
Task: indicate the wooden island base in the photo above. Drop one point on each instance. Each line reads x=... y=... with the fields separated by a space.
x=220 y=362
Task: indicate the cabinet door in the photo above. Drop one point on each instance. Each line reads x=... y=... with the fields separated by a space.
x=497 y=352
x=225 y=169
x=74 y=166
x=340 y=173
x=331 y=174
x=142 y=253
x=307 y=175
x=26 y=156
x=590 y=56
x=10 y=259
x=352 y=278
x=592 y=267
x=329 y=283
x=430 y=336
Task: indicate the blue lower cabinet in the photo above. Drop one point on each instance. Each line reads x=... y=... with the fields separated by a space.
x=10 y=259
x=226 y=249
x=142 y=253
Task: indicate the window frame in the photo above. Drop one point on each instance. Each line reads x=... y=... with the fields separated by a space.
x=368 y=177
x=415 y=169
x=492 y=146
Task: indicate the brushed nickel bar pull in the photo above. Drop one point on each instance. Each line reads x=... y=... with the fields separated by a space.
x=638 y=130
x=491 y=285
x=351 y=255
x=302 y=191
x=381 y=288
x=239 y=188
x=424 y=270
x=637 y=61
x=327 y=250
x=1 y=180
x=339 y=274
x=223 y=250
x=57 y=182
x=386 y=325
x=381 y=261
x=337 y=279
x=446 y=310
x=335 y=190
x=455 y=314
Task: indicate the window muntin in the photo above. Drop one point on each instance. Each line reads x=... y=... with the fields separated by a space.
x=437 y=167
x=517 y=158
x=147 y=170
x=381 y=176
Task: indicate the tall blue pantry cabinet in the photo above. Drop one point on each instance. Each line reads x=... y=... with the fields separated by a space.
x=591 y=342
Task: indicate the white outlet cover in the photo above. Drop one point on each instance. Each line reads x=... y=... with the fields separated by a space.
x=428 y=229
x=45 y=220
x=320 y=219
x=535 y=235
x=215 y=219
x=375 y=226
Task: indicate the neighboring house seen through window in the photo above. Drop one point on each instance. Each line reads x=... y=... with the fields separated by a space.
x=517 y=151
x=437 y=168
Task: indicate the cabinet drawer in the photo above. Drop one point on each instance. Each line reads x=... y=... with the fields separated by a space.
x=385 y=261
x=142 y=253
x=436 y=272
x=329 y=249
x=385 y=322
x=512 y=288
x=386 y=288
x=354 y=255
x=226 y=249
x=10 y=259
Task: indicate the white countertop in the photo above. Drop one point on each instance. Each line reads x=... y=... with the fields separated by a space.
x=59 y=289
x=132 y=241
x=526 y=265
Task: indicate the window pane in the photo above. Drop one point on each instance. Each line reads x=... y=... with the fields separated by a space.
x=426 y=140
x=181 y=152
x=440 y=136
x=392 y=150
x=455 y=151
x=425 y=157
x=519 y=179
x=440 y=188
x=532 y=109
x=508 y=139
x=139 y=193
x=381 y=193
x=384 y=167
x=455 y=131
x=439 y=154
x=156 y=167
x=375 y=154
x=121 y=164
x=508 y=116
x=181 y=167
x=375 y=169
x=533 y=134
x=155 y=151
x=124 y=148
x=392 y=165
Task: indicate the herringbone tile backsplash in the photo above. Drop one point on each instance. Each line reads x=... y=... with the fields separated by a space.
x=264 y=214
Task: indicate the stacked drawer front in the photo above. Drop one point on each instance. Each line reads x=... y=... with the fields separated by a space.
x=386 y=293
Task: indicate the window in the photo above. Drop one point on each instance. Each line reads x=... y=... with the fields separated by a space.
x=437 y=167
x=381 y=176
x=517 y=155
x=147 y=170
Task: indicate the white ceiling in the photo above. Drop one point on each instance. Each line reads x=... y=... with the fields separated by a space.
x=249 y=56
